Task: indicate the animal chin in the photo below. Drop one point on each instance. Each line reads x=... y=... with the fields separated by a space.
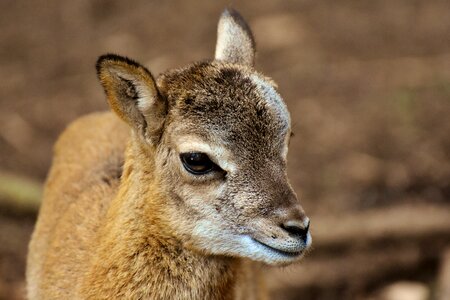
x=295 y=254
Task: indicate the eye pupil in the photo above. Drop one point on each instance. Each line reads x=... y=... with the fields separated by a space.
x=197 y=163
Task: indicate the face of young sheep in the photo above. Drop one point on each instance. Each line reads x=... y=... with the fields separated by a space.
x=222 y=163
x=220 y=134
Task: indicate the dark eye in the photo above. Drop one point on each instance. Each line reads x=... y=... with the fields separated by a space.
x=197 y=163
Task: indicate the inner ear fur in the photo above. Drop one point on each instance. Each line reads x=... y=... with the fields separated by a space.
x=235 y=42
x=133 y=95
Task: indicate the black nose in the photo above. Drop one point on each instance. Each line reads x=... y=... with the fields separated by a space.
x=296 y=228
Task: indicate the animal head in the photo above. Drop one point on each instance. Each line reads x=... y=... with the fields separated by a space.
x=218 y=132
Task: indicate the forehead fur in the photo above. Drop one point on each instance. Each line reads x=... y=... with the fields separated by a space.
x=232 y=102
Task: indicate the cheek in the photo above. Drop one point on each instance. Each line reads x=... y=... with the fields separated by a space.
x=212 y=203
x=200 y=195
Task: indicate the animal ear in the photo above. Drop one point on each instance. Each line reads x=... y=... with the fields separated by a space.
x=235 y=41
x=132 y=94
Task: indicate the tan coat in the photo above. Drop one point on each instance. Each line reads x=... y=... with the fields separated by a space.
x=185 y=197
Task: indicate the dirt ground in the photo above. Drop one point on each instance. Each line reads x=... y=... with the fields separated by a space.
x=367 y=84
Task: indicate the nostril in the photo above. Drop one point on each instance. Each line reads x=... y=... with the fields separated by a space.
x=296 y=228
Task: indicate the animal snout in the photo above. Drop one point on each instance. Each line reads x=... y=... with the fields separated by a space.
x=297 y=228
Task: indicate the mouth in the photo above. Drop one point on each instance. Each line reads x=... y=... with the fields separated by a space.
x=290 y=254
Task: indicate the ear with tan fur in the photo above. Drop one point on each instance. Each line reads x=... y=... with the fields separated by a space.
x=235 y=41
x=133 y=95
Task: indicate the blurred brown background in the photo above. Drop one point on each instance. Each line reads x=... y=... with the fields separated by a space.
x=368 y=87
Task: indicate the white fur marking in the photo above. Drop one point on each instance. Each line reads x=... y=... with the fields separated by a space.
x=146 y=97
x=272 y=97
x=274 y=101
x=217 y=239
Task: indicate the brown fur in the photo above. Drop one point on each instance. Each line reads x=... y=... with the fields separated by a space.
x=160 y=232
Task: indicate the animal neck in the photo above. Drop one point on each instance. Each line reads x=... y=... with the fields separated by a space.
x=137 y=257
